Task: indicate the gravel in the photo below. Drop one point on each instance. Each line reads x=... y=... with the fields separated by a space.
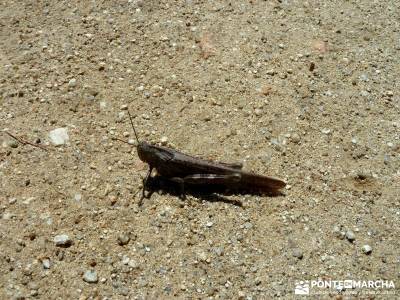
x=298 y=253
x=350 y=236
x=366 y=249
x=46 y=263
x=59 y=136
x=90 y=276
x=12 y=143
x=78 y=197
x=72 y=82
x=295 y=138
x=164 y=140
x=62 y=240
x=123 y=239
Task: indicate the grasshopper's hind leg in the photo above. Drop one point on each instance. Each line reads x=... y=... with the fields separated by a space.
x=237 y=166
x=213 y=179
x=181 y=182
x=204 y=179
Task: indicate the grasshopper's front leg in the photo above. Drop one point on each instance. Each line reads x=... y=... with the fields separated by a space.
x=203 y=179
x=145 y=184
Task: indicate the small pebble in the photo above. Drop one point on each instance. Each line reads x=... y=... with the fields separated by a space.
x=295 y=138
x=386 y=159
x=338 y=232
x=59 y=136
x=72 y=82
x=219 y=251
x=78 y=197
x=123 y=239
x=124 y=291
x=164 y=140
x=248 y=225
x=132 y=142
x=297 y=253
x=277 y=145
x=209 y=224
x=125 y=260
x=364 y=77
x=12 y=144
x=271 y=72
x=62 y=240
x=367 y=249
x=326 y=131
x=90 y=276
x=258 y=112
x=202 y=256
x=350 y=236
x=46 y=263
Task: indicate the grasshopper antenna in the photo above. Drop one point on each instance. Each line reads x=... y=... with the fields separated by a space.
x=133 y=127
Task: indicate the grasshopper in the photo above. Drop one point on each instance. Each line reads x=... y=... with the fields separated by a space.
x=188 y=170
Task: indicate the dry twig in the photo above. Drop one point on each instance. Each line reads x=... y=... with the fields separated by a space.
x=24 y=142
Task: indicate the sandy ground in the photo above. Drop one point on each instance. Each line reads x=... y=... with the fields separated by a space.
x=303 y=90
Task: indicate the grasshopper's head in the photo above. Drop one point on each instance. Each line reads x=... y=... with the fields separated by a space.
x=155 y=156
x=145 y=152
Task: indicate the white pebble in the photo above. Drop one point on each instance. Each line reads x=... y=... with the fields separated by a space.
x=59 y=136
x=350 y=235
x=90 y=276
x=132 y=142
x=326 y=131
x=164 y=140
x=46 y=263
x=62 y=240
x=367 y=249
x=72 y=82
x=258 y=112
x=125 y=259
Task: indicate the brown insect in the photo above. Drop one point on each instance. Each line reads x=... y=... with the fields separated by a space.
x=188 y=170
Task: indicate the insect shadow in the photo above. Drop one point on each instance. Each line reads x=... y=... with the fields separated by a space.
x=211 y=193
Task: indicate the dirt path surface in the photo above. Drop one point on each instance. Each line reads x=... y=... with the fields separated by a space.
x=303 y=90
